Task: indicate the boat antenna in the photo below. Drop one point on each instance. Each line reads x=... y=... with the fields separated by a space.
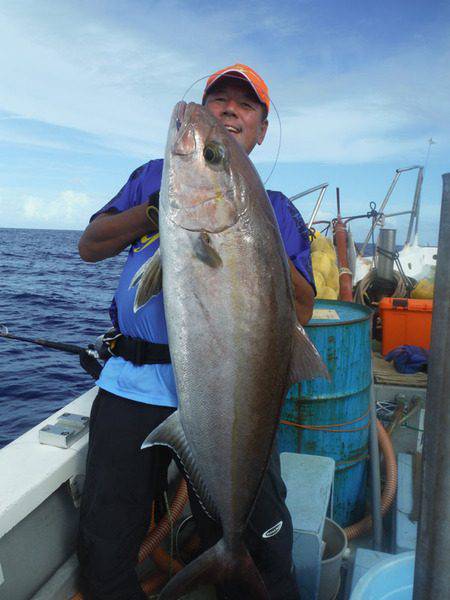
x=419 y=183
x=430 y=143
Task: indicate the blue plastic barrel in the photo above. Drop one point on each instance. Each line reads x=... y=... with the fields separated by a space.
x=391 y=578
x=334 y=415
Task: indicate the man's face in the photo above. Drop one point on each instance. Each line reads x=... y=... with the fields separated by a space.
x=234 y=103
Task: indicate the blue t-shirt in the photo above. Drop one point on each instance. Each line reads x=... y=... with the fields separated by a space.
x=155 y=384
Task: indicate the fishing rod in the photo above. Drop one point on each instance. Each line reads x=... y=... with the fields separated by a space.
x=70 y=348
x=89 y=356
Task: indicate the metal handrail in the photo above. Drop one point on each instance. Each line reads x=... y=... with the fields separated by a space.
x=414 y=211
x=322 y=187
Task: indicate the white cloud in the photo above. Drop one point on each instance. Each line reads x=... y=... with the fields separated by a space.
x=69 y=209
x=342 y=132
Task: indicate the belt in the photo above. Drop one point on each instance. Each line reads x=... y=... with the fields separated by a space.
x=140 y=352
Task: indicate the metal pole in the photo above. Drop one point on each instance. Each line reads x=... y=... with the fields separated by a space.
x=375 y=474
x=398 y=172
x=432 y=570
x=385 y=201
x=416 y=226
x=397 y=214
x=322 y=187
x=317 y=206
x=415 y=207
x=308 y=191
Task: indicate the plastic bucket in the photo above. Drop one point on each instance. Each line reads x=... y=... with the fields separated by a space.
x=391 y=578
x=330 y=573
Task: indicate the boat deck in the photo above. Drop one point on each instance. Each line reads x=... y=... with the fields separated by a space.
x=384 y=373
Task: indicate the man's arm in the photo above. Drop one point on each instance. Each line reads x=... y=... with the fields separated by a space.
x=110 y=233
x=303 y=296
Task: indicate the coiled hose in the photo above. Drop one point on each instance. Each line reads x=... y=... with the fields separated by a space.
x=390 y=487
x=155 y=536
x=363 y=285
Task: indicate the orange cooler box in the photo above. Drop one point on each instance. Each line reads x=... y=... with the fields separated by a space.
x=405 y=321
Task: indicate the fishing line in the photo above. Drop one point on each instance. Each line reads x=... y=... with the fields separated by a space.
x=277 y=154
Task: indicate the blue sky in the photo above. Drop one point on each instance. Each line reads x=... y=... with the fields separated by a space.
x=87 y=89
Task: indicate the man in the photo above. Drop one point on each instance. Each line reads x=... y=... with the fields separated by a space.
x=137 y=388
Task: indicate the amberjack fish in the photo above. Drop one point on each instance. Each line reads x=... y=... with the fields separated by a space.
x=235 y=342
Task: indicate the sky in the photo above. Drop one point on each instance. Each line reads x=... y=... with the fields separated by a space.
x=87 y=89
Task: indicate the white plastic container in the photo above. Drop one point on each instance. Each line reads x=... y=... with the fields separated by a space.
x=330 y=574
x=391 y=578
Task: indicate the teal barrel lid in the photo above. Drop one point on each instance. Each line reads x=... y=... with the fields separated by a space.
x=337 y=312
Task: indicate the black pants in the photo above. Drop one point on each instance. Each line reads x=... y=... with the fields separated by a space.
x=121 y=483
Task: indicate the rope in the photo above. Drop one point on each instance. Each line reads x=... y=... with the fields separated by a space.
x=328 y=426
x=363 y=286
x=373 y=206
x=327 y=430
x=395 y=257
x=354 y=460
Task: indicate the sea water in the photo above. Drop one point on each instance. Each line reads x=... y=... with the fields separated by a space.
x=47 y=291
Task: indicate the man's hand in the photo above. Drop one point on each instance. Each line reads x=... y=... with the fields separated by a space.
x=111 y=233
x=303 y=296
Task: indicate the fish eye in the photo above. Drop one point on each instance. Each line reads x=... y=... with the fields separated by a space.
x=213 y=153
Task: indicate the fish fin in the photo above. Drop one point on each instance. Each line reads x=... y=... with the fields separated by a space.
x=219 y=565
x=171 y=434
x=306 y=362
x=205 y=252
x=148 y=280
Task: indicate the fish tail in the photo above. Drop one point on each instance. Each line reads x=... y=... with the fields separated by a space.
x=219 y=565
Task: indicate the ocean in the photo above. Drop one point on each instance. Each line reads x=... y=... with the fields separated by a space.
x=47 y=292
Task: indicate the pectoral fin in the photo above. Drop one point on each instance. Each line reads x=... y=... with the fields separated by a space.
x=148 y=280
x=204 y=251
x=306 y=362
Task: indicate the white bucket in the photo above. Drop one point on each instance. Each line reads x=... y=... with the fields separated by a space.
x=391 y=578
x=330 y=573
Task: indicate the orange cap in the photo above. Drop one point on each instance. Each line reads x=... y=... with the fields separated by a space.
x=243 y=72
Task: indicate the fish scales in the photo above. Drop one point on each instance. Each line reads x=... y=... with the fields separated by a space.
x=221 y=344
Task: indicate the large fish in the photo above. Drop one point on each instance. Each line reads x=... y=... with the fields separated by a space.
x=235 y=342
